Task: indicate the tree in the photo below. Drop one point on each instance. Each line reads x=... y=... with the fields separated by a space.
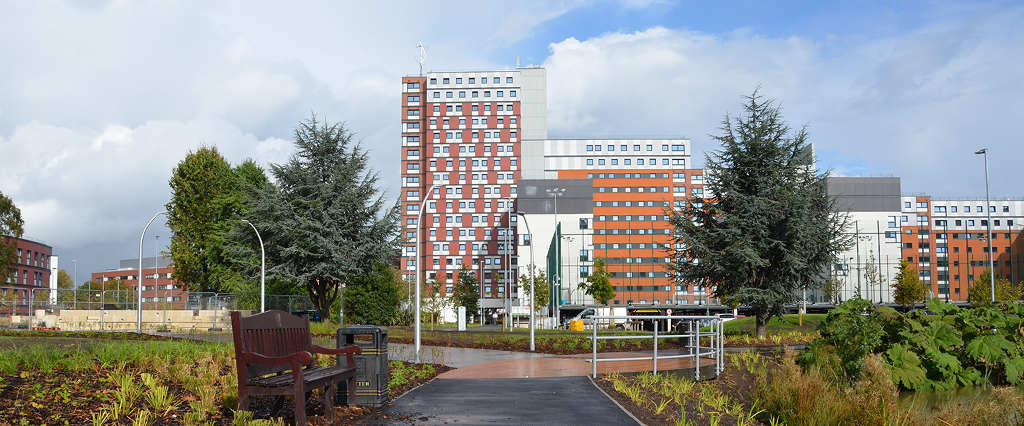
x=907 y=287
x=599 y=284
x=872 y=275
x=65 y=285
x=832 y=287
x=768 y=227
x=323 y=222
x=540 y=284
x=11 y=228
x=435 y=299
x=980 y=291
x=467 y=290
x=373 y=298
x=206 y=202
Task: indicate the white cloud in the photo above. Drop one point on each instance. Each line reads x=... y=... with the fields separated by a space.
x=916 y=105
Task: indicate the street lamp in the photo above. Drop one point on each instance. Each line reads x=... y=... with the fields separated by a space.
x=419 y=258
x=557 y=192
x=533 y=294
x=263 y=268
x=988 y=211
x=138 y=287
x=508 y=265
x=156 y=269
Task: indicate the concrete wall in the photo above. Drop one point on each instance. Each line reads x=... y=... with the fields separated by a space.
x=126 y=320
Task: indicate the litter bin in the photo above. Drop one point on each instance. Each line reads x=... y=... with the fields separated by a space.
x=371 y=364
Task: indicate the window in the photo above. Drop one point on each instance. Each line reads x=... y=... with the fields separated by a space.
x=508 y=79
x=590 y=161
x=511 y=94
x=922 y=205
x=462 y=94
x=444 y=81
x=940 y=209
x=1006 y=209
x=483 y=80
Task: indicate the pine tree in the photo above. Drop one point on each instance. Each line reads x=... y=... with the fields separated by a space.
x=767 y=227
x=324 y=221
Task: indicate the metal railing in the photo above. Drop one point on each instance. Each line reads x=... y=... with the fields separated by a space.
x=693 y=335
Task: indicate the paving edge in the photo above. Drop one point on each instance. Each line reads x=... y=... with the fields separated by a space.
x=624 y=410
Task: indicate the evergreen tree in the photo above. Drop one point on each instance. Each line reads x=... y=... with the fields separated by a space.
x=599 y=284
x=374 y=298
x=324 y=222
x=907 y=288
x=11 y=228
x=467 y=291
x=206 y=202
x=767 y=227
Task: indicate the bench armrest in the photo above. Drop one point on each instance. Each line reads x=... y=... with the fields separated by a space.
x=303 y=358
x=349 y=351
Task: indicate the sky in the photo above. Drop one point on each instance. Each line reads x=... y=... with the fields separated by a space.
x=99 y=100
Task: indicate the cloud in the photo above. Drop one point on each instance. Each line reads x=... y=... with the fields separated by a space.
x=916 y=104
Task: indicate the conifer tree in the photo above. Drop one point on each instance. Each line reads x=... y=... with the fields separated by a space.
x=766 y=227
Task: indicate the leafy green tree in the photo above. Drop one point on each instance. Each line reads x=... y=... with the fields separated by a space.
x=467 y=291
x=980 y=291
x=65 y=286
x=435 y=299
x=206 y=201
x=832 y=287
x=374 y=298
x=540 y=284
x=11 y=228
x=324 y=221
x=599 y=283
x=873 y=276
x=907 y=288
x=767 y=227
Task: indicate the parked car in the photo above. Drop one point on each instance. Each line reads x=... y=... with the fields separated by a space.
x=725 y=317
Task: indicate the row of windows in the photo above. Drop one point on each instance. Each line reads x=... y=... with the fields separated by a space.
x=639 y=161
x=474 y=107
x=475 y=121
x=630 y=246
x=952 y=209
x=664 y=231
x=462 y=247
x=472 y=80
x=487 y=135
x=629 y=218
x=443 y=177
x=476 y=94
x=970 y=222
x=695 y=178
x=611 y=148
x=474 y=163
x=614 y=189
x=660 y=203
x=472 y=148
x=31 y=258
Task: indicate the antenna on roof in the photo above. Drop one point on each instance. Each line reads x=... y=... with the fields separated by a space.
x=421 y=56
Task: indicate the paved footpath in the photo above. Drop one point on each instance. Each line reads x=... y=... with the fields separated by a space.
x=501 y=387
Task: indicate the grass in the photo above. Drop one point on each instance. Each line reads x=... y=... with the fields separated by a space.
x=786 y=323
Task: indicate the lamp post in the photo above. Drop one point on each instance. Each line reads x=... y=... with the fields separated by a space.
x=263 y=268
x=138 y=288
x=419 y=258
x=988 y=211
x=156 y=268
x=557 y=297
x=533 y=294
x=74 y=283
x=508 y=265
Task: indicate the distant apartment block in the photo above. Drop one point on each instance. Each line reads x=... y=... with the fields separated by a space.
x=31 y=272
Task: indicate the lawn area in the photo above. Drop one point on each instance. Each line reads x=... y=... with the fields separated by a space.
x=786 y=323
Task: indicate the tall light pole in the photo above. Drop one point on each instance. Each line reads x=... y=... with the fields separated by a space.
x=533 y=294
x=138 y=288
x=988 y=211
x=508 y=265
x=556 y=297
x=419 y=258
x=156 y=268
x=263 y=268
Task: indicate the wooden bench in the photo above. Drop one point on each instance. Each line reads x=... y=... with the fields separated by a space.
x=274 y=356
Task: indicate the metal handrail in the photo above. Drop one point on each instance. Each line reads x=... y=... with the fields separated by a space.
x=715 y=350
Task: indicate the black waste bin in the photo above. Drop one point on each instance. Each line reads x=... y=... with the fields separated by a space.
x=371 y=365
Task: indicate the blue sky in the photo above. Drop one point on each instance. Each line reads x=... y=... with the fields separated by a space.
x=99 y=100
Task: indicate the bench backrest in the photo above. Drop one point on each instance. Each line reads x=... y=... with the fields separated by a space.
x=272 y=334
